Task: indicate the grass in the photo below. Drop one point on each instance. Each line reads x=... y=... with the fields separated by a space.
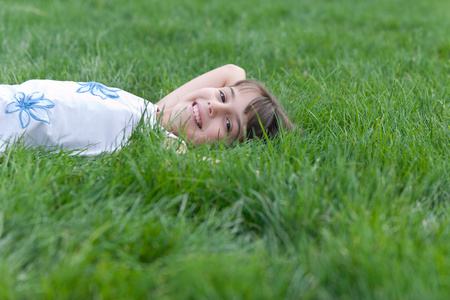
x=356 y=207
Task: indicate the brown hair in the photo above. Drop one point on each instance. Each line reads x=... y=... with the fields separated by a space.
x=264 y=114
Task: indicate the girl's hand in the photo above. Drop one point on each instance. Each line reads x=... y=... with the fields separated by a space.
x=172 y=143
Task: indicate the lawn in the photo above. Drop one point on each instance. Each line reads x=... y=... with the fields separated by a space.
x=352 y=204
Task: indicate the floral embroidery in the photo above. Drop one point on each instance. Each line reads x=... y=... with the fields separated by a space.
x=98 y=89
x=33 y=105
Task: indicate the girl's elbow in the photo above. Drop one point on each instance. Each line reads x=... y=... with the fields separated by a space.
x=235 y=73
x=235 y=69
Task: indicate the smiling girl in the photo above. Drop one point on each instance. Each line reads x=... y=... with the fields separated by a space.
x=90 y=118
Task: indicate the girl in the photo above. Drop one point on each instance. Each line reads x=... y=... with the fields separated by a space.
x=90 y=118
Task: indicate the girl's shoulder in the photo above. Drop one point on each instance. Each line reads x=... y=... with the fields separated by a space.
x=57 y=87
x=80 y=86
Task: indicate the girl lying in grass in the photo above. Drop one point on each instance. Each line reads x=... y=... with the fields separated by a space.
x=220 y=105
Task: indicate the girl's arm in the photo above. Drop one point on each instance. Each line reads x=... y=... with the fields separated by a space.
x=223 y=76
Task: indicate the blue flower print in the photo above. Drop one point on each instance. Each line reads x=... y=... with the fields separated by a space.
x=98 y=89
x=33 y=105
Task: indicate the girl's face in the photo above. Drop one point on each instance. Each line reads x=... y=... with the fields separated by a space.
x=211 y=114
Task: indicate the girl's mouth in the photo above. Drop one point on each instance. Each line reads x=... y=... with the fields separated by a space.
x=197 y=115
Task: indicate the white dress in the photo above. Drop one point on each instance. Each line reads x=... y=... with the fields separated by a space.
x=84 y=116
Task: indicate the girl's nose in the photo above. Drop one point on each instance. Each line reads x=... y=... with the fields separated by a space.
x=213 y=108
x=217 y=107
x=210 y=109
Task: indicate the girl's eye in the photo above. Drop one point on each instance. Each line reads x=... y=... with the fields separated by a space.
x=228 y=123
x=222 y=96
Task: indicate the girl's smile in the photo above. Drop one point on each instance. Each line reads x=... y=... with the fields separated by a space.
x=197 y=115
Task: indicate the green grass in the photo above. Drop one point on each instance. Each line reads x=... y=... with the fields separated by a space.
x=356 y=207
